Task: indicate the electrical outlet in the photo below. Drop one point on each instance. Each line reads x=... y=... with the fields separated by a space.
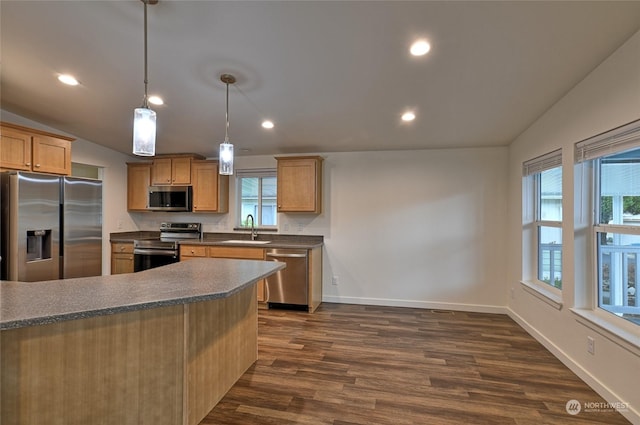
x=591 y=345
x=334 y=280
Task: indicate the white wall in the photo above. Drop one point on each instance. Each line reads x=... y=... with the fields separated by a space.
x=114 y=178
x=411 y=228
x=607 y=98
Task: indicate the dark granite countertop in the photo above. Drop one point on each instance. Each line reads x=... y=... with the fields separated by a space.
x=37 y=303
x=275 y=240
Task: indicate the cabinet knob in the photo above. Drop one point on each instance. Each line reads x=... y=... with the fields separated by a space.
x=37 y=165
x=192 y=251
x=28 y=164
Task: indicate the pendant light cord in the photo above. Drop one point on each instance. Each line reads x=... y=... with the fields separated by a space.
x=226 y=131
x=146 y=79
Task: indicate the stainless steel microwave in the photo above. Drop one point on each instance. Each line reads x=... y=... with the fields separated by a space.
x=169 y=198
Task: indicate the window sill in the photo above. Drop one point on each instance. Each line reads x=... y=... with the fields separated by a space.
x=544 y=293
x=624 y=334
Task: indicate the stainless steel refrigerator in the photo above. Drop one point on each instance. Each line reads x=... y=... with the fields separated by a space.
x=51 y=227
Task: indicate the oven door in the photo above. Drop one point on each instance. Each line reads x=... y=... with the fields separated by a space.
x=145 y=259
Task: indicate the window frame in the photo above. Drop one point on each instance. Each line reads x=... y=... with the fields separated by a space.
x=533 y=223
x=260 y=174
x=539 y=223
x=588 y=154
x=597 y=229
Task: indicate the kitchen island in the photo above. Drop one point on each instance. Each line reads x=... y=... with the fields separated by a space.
x=161 y=346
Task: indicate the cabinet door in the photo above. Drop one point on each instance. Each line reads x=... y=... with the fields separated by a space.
x=181 y=171
x=121 y=263
x=299 y=185
x=161 y=172
x=138 y=177
x=204 y=175
x=15 y=149
x=261 y=292
x=51 y=155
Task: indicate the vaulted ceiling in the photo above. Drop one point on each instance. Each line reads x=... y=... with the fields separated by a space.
x=332 y=75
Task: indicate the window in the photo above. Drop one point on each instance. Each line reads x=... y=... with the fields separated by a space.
x=257 y=196
x=545 y=176
x=616 y=230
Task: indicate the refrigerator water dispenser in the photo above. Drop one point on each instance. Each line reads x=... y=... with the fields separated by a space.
x=38 y=245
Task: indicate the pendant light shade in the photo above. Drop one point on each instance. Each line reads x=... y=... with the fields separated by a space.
x=144 y=119
x=144 y=132
x=226 y=148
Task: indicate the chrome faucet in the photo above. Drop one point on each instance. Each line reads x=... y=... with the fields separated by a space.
x=254 y=234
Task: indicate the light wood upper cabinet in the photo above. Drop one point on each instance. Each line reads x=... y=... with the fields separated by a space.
x=210 y=189
x=26 y=149
x=300 y=184
x=138 y=178
x=15 y=149
x=172 y=170
x=51 y=155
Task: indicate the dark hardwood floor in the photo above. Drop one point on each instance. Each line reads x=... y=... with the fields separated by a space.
x=349 y=364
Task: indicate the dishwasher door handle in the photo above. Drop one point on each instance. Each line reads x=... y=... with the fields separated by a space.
x=286 y=255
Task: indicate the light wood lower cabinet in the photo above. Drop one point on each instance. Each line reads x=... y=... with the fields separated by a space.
x=314 y=266
x=241 y=253
x=121 y=257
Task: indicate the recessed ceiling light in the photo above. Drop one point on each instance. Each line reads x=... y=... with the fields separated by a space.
x=267 y=124
x=408 y=116
x=67 y=79
x=420 y=48
x=156 y=100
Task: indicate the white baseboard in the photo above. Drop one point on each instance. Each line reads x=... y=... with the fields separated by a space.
x=631 y=413
x=476 y=308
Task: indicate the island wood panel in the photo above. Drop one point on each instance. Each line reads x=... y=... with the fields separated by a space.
x=167 y=365
x=219 y=334
x=118 y=369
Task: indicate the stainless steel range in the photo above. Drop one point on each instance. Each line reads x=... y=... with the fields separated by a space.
x=150 y=253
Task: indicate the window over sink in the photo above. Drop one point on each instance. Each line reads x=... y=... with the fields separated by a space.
x=257 y=193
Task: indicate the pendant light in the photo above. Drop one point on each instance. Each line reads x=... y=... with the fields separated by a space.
x=144 y=119
x=226 y=148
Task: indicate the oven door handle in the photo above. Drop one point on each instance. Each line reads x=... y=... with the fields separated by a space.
x=163 y=252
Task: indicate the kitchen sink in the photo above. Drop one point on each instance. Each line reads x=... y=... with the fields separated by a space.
x=246 y=242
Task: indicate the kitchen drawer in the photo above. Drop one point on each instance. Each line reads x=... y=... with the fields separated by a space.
x=122 y=247
x=193 y=251
x=236 y=252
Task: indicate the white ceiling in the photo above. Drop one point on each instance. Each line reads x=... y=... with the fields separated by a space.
x=332 y=75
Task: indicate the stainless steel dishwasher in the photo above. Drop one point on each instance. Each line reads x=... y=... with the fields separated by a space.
x=290 y=285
